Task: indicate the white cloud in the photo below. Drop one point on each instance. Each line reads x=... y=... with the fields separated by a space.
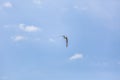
x=7 y=4
x=29 y=28
x=18 y=38
x=76 y=56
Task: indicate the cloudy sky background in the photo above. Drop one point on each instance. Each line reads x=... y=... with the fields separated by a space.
x=31 y=46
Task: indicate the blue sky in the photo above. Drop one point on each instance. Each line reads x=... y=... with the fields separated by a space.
x=31 y=47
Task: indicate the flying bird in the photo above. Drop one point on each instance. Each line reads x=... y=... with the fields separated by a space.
x=66 y=39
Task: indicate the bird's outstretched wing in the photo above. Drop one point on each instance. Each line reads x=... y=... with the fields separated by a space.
x=66 y=42
x=66 y=39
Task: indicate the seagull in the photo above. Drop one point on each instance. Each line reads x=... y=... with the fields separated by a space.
x=66 y=39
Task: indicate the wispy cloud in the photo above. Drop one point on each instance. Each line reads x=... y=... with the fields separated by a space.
x=38 y=2
x=118 y=63
x=100 y=8
x=51 y=40
x=29 y=28
x=3 y=77
x=104 y=10
x=18 y=38
x=7 y=5
x=37 y=39
x=24 y=30
x=76 y=56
